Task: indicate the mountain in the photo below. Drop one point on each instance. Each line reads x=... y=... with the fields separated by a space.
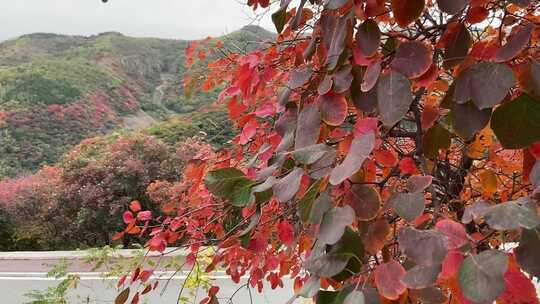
x=56 y=90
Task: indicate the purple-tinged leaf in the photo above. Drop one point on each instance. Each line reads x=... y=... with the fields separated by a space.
x=424 y=247
x=481 y=277
x=394 y=97
x=285 y=189
x=368 y=37
x=360 y=149
x=309 y=125
x=334 y=223
x=515 y=44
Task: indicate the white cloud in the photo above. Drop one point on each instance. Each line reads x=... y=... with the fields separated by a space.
x=186 y=19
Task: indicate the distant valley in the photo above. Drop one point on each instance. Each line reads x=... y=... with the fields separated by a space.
x=56 y=91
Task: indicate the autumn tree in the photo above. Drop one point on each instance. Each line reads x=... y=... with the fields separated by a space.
x=388 y=152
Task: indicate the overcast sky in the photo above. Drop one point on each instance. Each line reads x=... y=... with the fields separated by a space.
x=186 y=19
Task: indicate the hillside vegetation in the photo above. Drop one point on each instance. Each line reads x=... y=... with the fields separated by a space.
x=57 y=90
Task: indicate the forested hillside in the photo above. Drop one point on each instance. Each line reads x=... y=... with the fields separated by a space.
x=57 y=90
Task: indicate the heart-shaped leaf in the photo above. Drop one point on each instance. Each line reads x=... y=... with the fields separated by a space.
x=407 y=11
x=285 y=189
x=368 y=37
x=454 y=232
x=365 y=201
x=468 y=120
x=486 y=83
x=309 y=155
x=420 y=276
x=371 y=76
x=412 y=59
x=377 y=235
x=360 y=149
x=334 y=223
x=528 y=251
x=424 y=247
x=481 y=277
x=333 y=108
x=515 y=44
x=457 y=42
x=409 y=206
x=452 y=6
x=393 y=97
x=418 y=183
x=309 y=125
x=388 y=279
x=299 y=77
x=512 y=215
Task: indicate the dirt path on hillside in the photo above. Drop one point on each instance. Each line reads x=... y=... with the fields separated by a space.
x=141 y=120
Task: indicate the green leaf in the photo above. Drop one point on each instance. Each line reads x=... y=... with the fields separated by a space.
x=517 y=123
x=435 y=139
x=350 y=245
x=306 y=202
x=481 y=277
x=230 y=184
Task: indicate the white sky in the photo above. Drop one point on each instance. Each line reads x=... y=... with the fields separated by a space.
x=183 y=19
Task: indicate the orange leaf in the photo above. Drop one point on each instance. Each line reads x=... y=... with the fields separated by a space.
x=489 y=183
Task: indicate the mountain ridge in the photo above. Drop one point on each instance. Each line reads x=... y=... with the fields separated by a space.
x=56 y=90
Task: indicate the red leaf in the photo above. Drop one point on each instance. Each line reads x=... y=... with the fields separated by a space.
x=365 y=125
x=519 y=288
x=157 y=243
x=135 y=206
x=249 y=130
x=388 y=279
x=145 y=275
x=477 y=15
x=515 y=44
x=128 y=217
x=455 y=232
x=451 y=264
x=144 y=216
x=407 y=11
x=407 y=166
x=121 y=281
x=285 y=233
x=385 y=158
x=429 y=116
x=333 y=108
